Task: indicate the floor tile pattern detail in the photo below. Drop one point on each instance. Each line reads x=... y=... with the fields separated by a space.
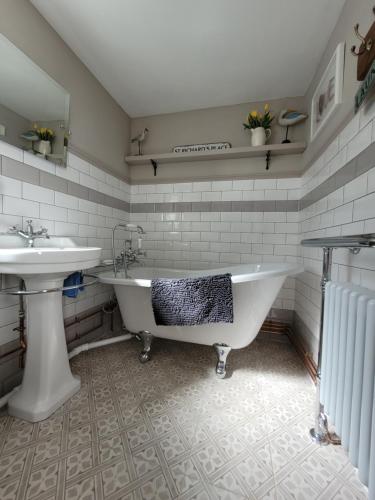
x=170 y=429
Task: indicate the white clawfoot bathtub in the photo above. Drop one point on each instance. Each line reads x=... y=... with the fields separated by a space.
x=255 y=287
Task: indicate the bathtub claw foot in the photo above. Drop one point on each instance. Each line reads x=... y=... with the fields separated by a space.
x=222 y=351
x=146 y=338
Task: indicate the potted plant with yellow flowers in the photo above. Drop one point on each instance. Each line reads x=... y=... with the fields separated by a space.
x=46 y=136
x=260 y=126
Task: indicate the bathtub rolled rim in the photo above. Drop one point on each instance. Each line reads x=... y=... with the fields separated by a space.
x=248 y=274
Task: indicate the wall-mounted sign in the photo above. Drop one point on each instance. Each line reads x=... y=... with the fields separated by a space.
x=328 y=94
x=365 y=88
x=198 y=148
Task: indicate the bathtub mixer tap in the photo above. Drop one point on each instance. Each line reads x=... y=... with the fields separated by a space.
x=128 y=255
x=29 y=234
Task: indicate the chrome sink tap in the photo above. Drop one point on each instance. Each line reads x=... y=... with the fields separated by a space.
x=29 y=234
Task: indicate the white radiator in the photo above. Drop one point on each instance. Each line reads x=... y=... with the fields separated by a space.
x=348 y=373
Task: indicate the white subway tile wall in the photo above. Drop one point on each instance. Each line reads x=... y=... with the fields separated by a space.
x=88 y=223
x=205 y=239
x=348 y=210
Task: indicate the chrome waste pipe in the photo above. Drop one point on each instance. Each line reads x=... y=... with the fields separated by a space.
x=98 y=343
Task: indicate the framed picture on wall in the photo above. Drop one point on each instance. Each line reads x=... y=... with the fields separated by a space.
x=328 y=94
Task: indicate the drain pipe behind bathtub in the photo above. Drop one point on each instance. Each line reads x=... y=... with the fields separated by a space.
x=99 y=343
x=107 y=309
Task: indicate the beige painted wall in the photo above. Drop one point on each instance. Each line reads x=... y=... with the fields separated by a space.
x=15 y=124
x=100 y=128
x=212 y=125
x=354 y=11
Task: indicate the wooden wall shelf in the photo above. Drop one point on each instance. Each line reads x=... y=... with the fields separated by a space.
x=292 y=148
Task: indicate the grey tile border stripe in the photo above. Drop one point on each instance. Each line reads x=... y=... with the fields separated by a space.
x=20 y=171
x=361 y=164
x=26 y=173
x=78 y=190
x=217 y=206
x=54 y=182
x=365 y=160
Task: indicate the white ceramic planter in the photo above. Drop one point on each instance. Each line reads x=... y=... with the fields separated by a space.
x=44 y=147
x=259 y=136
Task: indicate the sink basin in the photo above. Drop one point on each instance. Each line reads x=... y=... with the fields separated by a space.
x=54 y=255
x=41 y=260
x=47 y=381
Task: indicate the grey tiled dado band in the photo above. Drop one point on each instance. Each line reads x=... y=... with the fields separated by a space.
x=23 y=172
x=361 y=164
x=32 y=175
x=217 y=206
x=356 y=167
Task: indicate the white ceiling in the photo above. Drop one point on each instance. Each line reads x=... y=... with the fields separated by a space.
x=162 y=56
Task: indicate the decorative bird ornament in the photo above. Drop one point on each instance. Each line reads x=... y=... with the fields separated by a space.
x=288 y=118
x=139 y=139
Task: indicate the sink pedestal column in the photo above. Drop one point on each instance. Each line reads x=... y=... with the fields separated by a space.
x=47 y=381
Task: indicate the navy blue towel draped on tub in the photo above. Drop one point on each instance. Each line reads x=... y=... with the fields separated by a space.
x=192 y=301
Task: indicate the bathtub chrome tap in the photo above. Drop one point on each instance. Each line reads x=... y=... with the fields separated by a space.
x=222 y=352
x=128 y=255
x=131 y=255
x=29 y=234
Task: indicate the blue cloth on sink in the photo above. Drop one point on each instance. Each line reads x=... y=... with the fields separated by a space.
x=74 y=279
x=192 y=301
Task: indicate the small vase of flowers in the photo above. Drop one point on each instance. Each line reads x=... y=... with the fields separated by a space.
x=44 y=145
x=259 y=126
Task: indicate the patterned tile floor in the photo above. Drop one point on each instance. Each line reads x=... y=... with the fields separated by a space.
x=171 y=429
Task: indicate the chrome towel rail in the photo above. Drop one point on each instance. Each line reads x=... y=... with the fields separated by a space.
x=11 y=291
x=319 y=433
x=356 y=241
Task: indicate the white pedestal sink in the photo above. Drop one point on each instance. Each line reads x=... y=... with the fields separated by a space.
x=47 y=381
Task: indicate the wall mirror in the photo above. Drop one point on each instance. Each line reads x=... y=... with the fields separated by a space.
x=34 y=109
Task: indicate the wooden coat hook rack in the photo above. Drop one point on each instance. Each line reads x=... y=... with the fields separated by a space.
x=366 y=50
